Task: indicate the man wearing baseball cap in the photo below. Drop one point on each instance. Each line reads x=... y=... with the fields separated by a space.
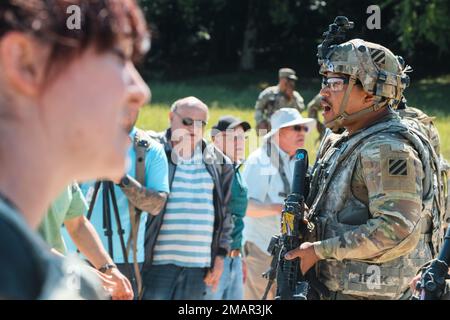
x=274 y=98
x=268 y=173
x=229 y=135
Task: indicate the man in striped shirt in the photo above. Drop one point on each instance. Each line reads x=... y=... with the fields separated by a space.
x=187 y=242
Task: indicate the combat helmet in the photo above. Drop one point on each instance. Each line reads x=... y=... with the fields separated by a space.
x=377 y=69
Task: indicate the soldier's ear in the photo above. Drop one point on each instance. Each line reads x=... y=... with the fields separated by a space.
x=369 y=99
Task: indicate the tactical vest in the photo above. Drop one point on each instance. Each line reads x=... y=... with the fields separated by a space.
x=334 y=214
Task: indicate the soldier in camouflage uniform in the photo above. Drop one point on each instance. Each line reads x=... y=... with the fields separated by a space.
x=274 y=98
x=372 y=187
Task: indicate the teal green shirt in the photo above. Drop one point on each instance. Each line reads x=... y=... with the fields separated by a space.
x=238 y=206
x=70 y=204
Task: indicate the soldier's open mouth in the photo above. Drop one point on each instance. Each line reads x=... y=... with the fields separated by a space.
x=326 y=109
x=325 y=106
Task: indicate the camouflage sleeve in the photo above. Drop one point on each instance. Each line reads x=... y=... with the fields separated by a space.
x=144 y=198
x=314 y=107
x=299 y=101
x=260 y=106
x=392 y=173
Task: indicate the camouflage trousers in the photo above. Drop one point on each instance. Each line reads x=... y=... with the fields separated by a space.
x=406 y=296
x=336 y=295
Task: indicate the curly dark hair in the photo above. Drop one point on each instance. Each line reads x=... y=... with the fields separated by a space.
x=104 y=23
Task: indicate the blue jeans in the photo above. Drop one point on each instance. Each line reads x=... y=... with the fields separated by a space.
x=231 y=285
x=171 y=282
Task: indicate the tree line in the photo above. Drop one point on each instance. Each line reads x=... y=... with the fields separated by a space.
x=195 y=37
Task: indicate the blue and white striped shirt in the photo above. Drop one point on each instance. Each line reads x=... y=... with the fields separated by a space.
x=187 y=231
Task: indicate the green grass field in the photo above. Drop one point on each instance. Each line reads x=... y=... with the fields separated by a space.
x=236 y=94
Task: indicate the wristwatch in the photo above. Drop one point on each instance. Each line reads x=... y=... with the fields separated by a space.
x=106 y=267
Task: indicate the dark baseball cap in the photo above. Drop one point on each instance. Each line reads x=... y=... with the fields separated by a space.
x=229 y=122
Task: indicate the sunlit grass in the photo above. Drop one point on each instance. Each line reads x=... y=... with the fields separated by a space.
x=236 y=95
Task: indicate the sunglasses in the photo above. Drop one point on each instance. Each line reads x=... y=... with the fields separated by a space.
x=189 y=121
x=299 y=128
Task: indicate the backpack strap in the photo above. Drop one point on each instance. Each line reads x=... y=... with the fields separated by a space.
x=277 y=162
x=142 y=144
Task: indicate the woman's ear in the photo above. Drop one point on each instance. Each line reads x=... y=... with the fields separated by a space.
x=23 y=61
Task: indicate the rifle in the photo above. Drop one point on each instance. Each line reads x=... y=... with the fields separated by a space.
x=432 y=283
x=291 y=283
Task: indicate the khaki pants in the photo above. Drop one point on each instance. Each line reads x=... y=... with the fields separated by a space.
x=257 y=263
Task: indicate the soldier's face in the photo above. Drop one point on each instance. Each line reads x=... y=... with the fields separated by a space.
x=291 y=84
x=287 y=85
x=333 y=93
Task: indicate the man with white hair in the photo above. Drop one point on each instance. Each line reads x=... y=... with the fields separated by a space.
x=188 y=240
x=268 y=174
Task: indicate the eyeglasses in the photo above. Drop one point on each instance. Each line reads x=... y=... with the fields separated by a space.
x=189 y=121
x=299 y=128
x=335 y=84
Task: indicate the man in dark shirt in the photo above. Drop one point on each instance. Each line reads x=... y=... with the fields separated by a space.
x=229 y=136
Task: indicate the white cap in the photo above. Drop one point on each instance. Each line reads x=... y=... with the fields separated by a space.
x=288 y=117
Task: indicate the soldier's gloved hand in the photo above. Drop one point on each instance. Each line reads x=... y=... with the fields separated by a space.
x=307 y=255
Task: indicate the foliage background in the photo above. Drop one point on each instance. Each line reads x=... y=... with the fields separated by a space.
x=226 y=51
